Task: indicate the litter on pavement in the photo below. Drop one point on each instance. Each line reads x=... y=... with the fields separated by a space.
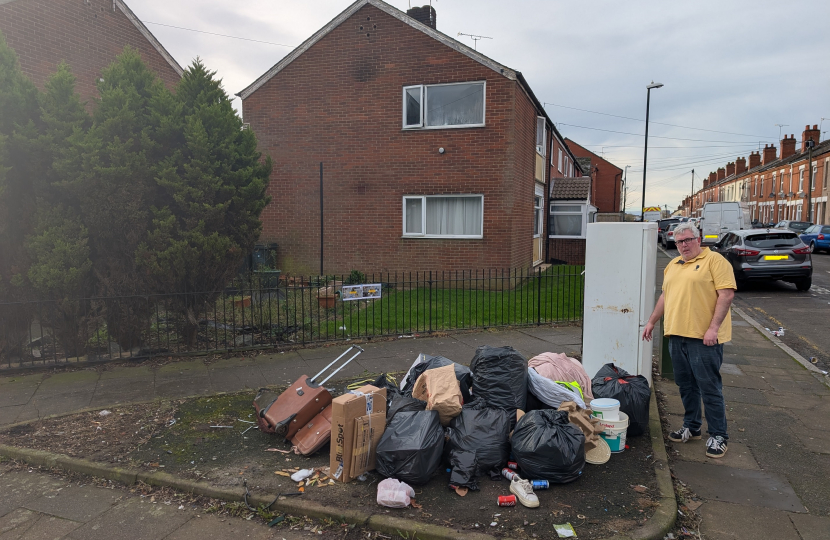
x=532 y=423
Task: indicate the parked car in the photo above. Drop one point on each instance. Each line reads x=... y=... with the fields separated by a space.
x=795 y=226
x=817 y=237
x=767 y=255
x=667 y=236
x=663 y=225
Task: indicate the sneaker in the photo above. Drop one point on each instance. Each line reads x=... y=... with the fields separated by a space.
x=715 y=447
x=523 y=491
x=683 y=434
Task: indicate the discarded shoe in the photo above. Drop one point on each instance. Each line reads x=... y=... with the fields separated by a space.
x=716 y=447
x=683 y=434
x=523 y=491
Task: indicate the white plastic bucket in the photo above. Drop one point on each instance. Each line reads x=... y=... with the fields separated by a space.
x=614 y=432
x=606 y=408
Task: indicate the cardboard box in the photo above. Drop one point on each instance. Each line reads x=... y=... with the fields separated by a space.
x=345 y=410
x=367 y=433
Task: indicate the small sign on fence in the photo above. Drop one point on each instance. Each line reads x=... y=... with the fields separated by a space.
x=360 y=292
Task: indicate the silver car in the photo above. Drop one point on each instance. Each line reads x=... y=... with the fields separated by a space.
x=667 y=236
x=767 y=255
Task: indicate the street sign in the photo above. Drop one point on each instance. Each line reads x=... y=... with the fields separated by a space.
x=370 y=291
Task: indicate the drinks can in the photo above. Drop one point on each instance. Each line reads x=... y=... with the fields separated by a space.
x=513 y=465
x=540 y=484
x=507 y=473
x=507 y=500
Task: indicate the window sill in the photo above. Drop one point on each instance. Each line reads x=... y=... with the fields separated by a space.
x=441 y=237
x=555 y=236
x=427 y=128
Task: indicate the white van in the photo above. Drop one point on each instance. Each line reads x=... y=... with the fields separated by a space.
x=721 y=217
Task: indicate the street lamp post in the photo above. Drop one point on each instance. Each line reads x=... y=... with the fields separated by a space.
x=625 y=190
x=645 y=149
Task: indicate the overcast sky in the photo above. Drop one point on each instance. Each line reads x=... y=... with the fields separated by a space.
x=735 y=66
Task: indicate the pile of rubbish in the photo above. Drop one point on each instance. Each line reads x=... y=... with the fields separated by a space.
x=533 y=423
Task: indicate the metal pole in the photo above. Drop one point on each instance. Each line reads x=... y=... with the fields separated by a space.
x=321 y=218
x=645 y=156
x=693 y=193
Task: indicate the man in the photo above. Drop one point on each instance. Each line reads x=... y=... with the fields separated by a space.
x=698 y=288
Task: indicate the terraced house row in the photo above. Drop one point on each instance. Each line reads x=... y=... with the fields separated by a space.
x=792 y=185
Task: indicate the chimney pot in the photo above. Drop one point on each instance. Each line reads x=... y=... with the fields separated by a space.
x=770 y=151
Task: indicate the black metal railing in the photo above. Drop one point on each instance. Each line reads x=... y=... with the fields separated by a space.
x=266 y=313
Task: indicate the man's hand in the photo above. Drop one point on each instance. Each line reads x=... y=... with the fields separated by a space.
x=649 y=328
x=710 y=337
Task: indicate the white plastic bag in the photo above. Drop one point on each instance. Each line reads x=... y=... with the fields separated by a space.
x=549 y=392
x=394 y=493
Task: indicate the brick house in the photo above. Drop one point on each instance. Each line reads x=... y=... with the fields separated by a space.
x=435 y=157
x=773 y=187
x=571 y=210
x=86 y=34
x=606 y=179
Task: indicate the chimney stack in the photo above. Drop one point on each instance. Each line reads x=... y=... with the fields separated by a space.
x=721 y=173
x=730 y=169
x=787 y=146
x=808 y=134
x=424 y=14
x=754 y=159
x=740 y=165
x=712 y=177
x=770 y=151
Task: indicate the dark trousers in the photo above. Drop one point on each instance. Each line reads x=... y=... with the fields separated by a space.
x=697 y=374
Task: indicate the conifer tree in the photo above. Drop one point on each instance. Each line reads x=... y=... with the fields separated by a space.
x=212 y=194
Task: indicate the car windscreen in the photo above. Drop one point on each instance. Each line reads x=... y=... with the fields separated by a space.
x=772 y=240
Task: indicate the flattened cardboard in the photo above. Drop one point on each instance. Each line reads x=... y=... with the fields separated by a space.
x=344 y=410
x=367 y=433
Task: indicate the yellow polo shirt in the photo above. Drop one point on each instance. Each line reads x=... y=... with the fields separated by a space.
x=690 y=294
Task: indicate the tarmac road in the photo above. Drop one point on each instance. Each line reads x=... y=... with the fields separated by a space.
x=805 y=316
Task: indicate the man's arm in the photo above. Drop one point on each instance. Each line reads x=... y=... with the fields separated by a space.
x=725 y=297
x=655 y=316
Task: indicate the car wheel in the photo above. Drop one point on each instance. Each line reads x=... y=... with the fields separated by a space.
x=812 y=247
x=804 y=284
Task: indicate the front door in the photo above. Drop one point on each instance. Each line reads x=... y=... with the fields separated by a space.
x=538 y=225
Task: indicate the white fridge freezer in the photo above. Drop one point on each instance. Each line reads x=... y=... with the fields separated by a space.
x=620 y=266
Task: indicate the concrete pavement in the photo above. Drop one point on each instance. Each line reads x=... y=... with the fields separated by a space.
x=773 y=481
x=35 y=505
x=26 y=397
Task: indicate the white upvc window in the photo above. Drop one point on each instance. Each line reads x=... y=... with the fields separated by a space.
x=568 y=219
x=541 y=136
x=560 y=160
x=801 y=178
x=755 y=186
x=813 y=178
x=437 y=106
x=538 y=215
x=443 y=216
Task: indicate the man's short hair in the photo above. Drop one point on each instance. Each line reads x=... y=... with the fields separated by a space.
x=686 y=226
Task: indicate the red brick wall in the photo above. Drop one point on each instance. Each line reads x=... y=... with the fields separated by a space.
x=605 y=183
x=86 y=35
x=567 y=250
x=340 y=103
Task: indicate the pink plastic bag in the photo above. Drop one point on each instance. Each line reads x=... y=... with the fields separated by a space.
x=394 y=493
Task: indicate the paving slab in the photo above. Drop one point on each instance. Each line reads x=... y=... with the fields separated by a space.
x=724 y=521
x=800 y=387
x=115 y=391
x=811 y=527
x=744 y=395
x=236 y=379
x=135 y=519
x=739 y=486
x=813 y=440
x=18 y=390
x=76 y=503
x=746 y=381
x=174 y=388
x=9 y=415
x=788 y=401
x=68 y=382
x=730 y=369
x=214 y=528
x=19 y=518
x=41 y=406
x=49 y=528
x=18 y=487
x=738 y=455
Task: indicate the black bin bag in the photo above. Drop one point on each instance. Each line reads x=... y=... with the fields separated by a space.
x=478 y=442
x=547 y=447
x=401 y=403
x=411 y=447
x=632 y=391
x=500 y=377
x=462 y=373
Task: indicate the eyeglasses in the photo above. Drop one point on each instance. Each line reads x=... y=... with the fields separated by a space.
x=685 y=241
